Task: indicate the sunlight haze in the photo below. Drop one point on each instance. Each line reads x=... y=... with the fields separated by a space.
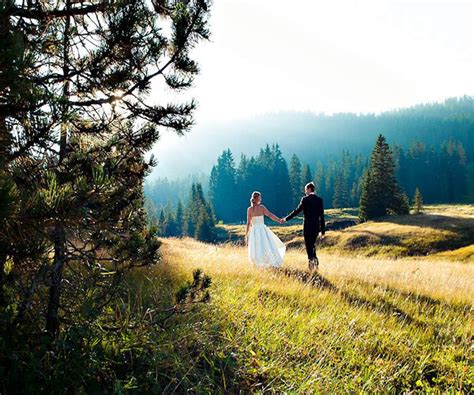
x=338 y=56
x=319 y=56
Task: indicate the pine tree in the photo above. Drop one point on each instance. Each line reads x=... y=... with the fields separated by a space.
x=281 y=187
x=204 y=226
x=191 y=213
x=320 y=181
x=381 y=194
x=403 y=204
x=243 y=188
x=82 y=124
x=262 y=179
x=222 y=182
x=170 y=218
x=180 y=219
x=21 y=241
x=200 y=222
x=360 y=166
x=341 y=191
x=162 y=225
x=452 y=171
x=306 y=176
x=295 y=180
x=418 y=201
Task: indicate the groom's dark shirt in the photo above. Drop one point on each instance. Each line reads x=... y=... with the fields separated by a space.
x=313 y=210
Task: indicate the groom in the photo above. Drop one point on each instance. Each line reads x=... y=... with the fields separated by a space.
x=312 y=207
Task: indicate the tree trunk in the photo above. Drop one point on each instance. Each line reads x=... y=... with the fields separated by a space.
x=4 y=145
x=54 y=302
x=3 y=259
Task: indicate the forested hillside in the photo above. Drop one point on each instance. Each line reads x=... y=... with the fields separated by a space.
x=316 y=137
x=439 y=172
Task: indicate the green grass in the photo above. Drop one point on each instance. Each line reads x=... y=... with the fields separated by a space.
x=358 y=326
x=465 y=254
x=361 y=325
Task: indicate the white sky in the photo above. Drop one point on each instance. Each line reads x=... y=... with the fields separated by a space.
x=331 y=56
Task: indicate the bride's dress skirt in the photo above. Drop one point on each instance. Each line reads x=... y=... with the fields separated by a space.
x=264 y=247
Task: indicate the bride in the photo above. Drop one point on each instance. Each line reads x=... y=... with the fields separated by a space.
x=264 y=247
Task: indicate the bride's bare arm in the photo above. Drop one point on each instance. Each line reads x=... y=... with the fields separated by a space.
x=271 y=215
x=248 y=223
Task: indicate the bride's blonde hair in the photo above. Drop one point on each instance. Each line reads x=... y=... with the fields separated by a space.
x=254 y=198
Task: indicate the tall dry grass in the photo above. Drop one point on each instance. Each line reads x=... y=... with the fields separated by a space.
x=441 y=279
x=360 y=325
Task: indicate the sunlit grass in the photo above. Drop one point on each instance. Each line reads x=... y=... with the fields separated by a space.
x=361 y=325
x=440 y=279
x=465 y=254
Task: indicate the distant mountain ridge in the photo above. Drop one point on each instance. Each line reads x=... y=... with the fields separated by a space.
x=317 y=137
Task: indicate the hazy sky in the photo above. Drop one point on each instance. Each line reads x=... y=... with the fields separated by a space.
x=331 y=56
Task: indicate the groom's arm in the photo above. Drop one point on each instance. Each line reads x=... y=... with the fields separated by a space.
x=321 y=217
x=295 y=212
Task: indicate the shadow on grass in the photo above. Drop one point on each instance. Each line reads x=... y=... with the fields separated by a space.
x=364 y=238
x=433 y=221
x=133 y=346
x=428 y=301
x=316 y=280
x=190 y=353
x=461 y=235
x=463 y=227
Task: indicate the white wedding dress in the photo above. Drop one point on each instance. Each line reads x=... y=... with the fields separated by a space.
x=264 y=247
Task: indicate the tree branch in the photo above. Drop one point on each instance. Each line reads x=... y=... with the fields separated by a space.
x=60 y=13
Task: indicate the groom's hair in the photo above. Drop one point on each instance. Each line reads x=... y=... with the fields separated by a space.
x=311 y=186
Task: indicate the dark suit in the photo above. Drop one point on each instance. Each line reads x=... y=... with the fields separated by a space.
x=313 y=210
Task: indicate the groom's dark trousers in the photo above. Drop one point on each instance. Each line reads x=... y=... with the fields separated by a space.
x=310 y=236
x=313 y=211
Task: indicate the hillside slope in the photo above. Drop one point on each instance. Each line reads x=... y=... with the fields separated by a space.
x=447 y=230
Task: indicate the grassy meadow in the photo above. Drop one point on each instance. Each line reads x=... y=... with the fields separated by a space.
x=441 y=231
x=359 y=325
